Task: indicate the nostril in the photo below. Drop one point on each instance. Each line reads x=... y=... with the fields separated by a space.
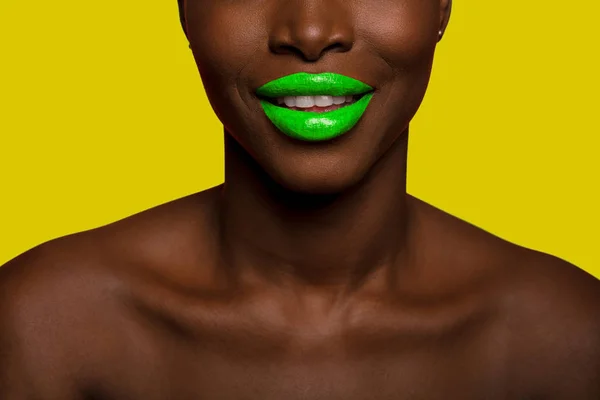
x=337 y=47
x=308 y=52
x=311 y=28
x=310 y=41
x=287 y=49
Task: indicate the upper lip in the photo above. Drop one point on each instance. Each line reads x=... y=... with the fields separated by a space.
x=307 y=84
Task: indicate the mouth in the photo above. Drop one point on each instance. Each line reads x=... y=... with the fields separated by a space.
x=320 y=103
x=315 y=107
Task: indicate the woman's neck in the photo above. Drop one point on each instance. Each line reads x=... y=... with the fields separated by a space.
x=332 y=240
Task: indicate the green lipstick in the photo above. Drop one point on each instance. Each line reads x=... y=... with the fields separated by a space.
x=314 y=125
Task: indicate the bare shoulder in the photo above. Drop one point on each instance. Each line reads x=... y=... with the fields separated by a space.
x=53 y=300
x=547 y=310
x=174 y=234
x=77 y=269
x=61 y=303
x=553 y=311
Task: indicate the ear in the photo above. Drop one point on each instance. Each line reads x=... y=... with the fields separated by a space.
x=445 y=10
x=181 y=4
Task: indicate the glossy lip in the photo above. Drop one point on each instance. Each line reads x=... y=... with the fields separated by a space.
x=305 y=84
x=315 y=126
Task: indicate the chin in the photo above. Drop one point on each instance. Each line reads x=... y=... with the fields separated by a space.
x=314 y=175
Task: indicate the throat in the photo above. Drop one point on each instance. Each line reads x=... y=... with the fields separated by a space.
x=321 y=239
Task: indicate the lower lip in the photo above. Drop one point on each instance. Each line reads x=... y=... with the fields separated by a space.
x=316 y=126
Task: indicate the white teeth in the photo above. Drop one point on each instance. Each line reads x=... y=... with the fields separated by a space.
x=305 y=101
x=323 y=101
x=311 y=101
x=339 y=100
x=289 y=101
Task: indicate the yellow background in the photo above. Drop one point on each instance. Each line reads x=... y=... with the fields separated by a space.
x=102 y=114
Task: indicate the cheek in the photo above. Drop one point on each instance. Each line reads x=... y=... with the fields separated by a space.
x=403 y=32
x=224 y=37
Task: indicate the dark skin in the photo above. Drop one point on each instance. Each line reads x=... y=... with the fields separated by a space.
x=311 y=273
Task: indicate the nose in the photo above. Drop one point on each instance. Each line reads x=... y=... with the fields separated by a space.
x=311 y=28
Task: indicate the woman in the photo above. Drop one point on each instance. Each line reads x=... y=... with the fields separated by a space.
x=310 y=274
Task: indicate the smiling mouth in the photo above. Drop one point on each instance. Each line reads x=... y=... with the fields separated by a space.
x=315 y=107
x=318 y=104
